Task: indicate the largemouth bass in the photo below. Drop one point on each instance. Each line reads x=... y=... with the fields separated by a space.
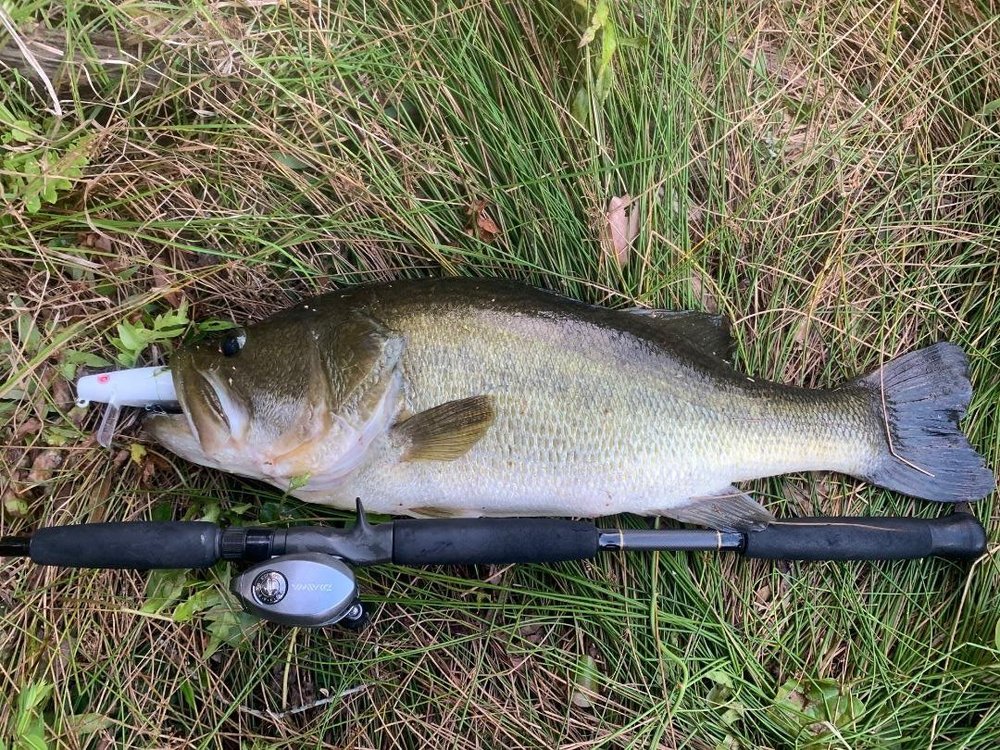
x=460 y=397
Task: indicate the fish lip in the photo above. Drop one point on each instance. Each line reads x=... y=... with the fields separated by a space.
x=234 y=410
x=190 y=395
x=173 y=431
x=182 y=400
x=213 y=400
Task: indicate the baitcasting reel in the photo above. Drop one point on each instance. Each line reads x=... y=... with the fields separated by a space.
x=308 y=590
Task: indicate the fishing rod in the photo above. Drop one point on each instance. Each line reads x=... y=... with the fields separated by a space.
x=303 y=576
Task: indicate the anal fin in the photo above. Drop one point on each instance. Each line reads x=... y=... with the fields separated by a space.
x=447 y=431
x=729 y=509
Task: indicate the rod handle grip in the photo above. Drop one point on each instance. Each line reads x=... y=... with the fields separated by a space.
x=469 y=541
x=956 y=535
x=139 y=545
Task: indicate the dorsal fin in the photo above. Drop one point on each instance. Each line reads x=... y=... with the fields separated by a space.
x=704 y=332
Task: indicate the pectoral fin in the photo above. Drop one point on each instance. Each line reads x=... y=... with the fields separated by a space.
x=447 y=431
x=729 y=509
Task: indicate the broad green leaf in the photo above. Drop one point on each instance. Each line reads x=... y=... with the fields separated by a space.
x=585 y=682
x=137 y=452
x=163 y=588
x=597 y=22
x=21 y=132
x=129 y=337
x=581 y=105
x=82 y=724
x=214 y=326
x=33 y=739
x=78 y=357
x=205 y=599
x=228 y=627
x=28 y=333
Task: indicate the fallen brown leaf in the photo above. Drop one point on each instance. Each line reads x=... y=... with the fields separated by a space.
x=620 y=228
x=31 y=426
x=533 y=633
x=151 y=464
x=496 y=573
x=62 y=393
x=97 y=241
x=702 y=289
x=44 y=464
x=163 y=282
x=480 y=225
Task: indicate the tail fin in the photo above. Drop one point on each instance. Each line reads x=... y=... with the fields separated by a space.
x=919 y=399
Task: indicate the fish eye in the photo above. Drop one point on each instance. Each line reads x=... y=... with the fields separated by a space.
x=232 y=343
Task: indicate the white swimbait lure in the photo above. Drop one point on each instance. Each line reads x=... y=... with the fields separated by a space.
x=138 y=386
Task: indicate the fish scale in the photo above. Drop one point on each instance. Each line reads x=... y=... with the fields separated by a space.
x=573 y=434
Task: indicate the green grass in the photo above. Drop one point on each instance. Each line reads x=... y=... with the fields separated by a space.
x=828 y=176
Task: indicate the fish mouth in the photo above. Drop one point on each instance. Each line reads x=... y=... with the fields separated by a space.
x=212 y=414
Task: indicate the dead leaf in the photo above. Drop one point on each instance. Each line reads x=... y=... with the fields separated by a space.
x=150 y=466
x=763 y=595
x=517 y=662
x=807 y=337
x=533 y=633
x=62 y=393
x=97 y=494
x=620 y=229
x=29 y=426
x=95 y=240
x=480 y=225
x=14 y=504
x=702 y=289
x=45 y=463
x=496 y=573
x=162 y=282
x=585 y=691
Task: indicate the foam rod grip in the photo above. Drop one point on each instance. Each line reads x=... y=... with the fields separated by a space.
x=957 y=536
x=142 y=545
x=492 y=540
